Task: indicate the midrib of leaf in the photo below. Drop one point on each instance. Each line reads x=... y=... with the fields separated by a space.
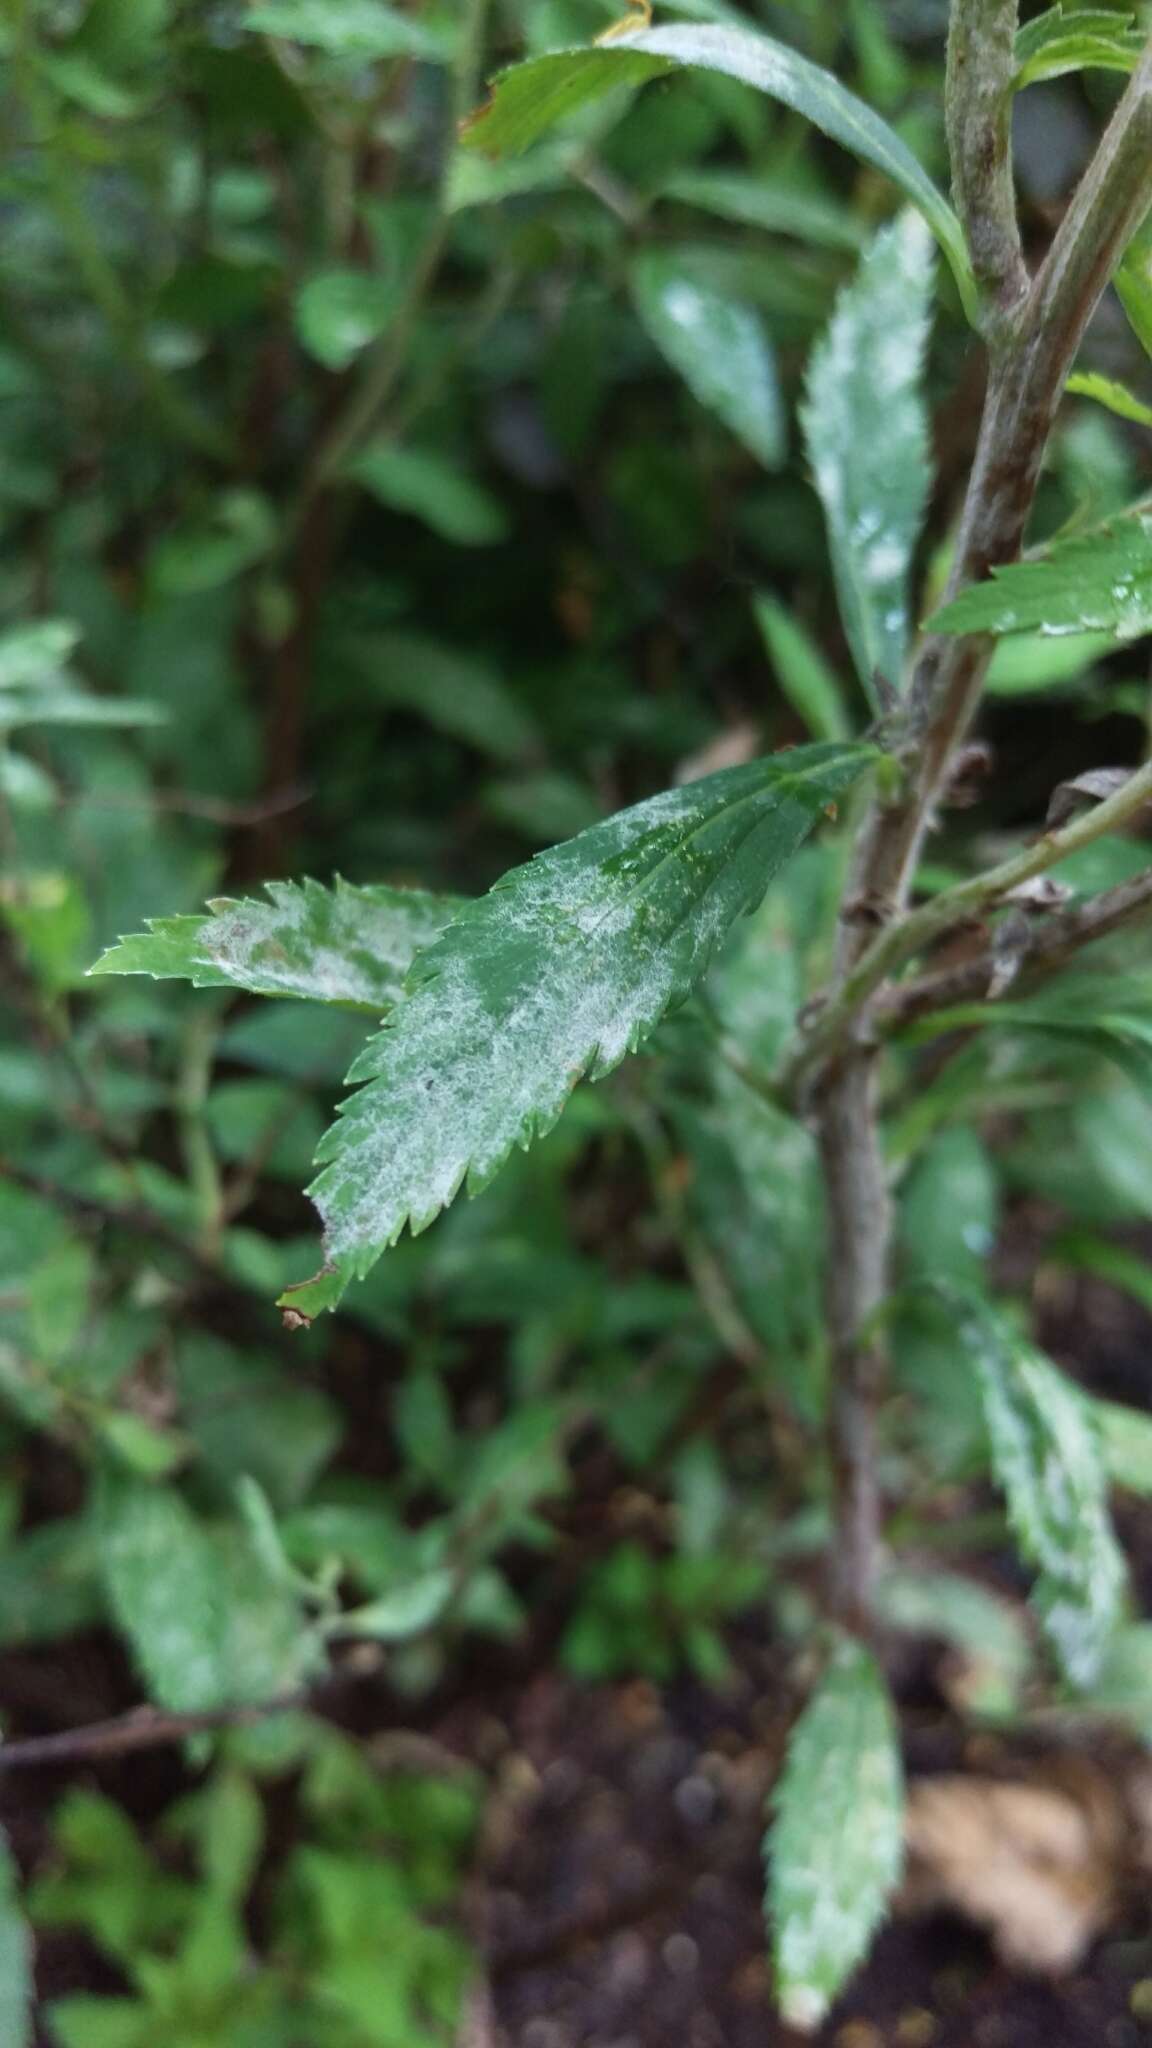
x=795 y=785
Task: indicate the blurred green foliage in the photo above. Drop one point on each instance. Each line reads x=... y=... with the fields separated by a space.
x=366 y=513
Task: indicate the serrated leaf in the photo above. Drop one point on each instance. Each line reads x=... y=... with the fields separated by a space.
x=1075 y=39
x=207 y=1624
x=718 y=345
x=529 y=98
x=835 y=1848
x=1100 y=582
x=15 y=1958
x=1048 y=1456
x=562 y=969
x=866 y=430
x=1109 y=392
x=352 y=943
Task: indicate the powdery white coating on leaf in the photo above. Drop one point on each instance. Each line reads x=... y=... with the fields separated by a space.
x=560 y=971
x=836 y=1846
x=1098 y=582
x=1049 y=1458
x=718 y=345
x=347 y=944
x=866 y=429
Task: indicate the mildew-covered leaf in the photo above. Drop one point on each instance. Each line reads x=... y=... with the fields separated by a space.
x=835 y=1848
x=1099 y=582
x=529 y=98
x=350 y=944
x=1049 y=1459
x=718 y=345
x=866 y=429
x=562 y=969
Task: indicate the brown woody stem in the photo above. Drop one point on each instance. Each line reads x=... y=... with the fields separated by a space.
x=1033 y=337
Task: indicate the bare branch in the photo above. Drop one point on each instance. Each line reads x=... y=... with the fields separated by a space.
x=143 y=1728
x=836 y=1023
x=1047 y=947
x=859 y=1224
x=978 y=99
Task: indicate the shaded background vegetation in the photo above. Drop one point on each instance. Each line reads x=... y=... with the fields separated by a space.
x=355 y=522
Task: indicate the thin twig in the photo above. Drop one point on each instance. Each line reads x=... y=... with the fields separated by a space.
x=968 y=900
x=1045 y=948
x=143 y=1728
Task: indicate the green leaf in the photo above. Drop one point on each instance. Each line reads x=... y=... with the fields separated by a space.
x=1123 y=1687
x=809 y=684
x=777 y=206
x=1133 y=283
x=207 y=1623
x=1027 y=662
x=433 y=488
x=987 y=1630
x=352 y=943
x=1108 y=391
x=866 y=430
x=718 y=345
x=406 y=1612
x=1126 y=1440
x=1046 y=1448
x=340 y=312
x=836 y=1845
x=362 y=30
x=236 y=530
x=1075 y=39
x=529 y=98
x=15 y=1959
x=455 y=690
x=562 y=969
x=1096 y=582
x=39 y=686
